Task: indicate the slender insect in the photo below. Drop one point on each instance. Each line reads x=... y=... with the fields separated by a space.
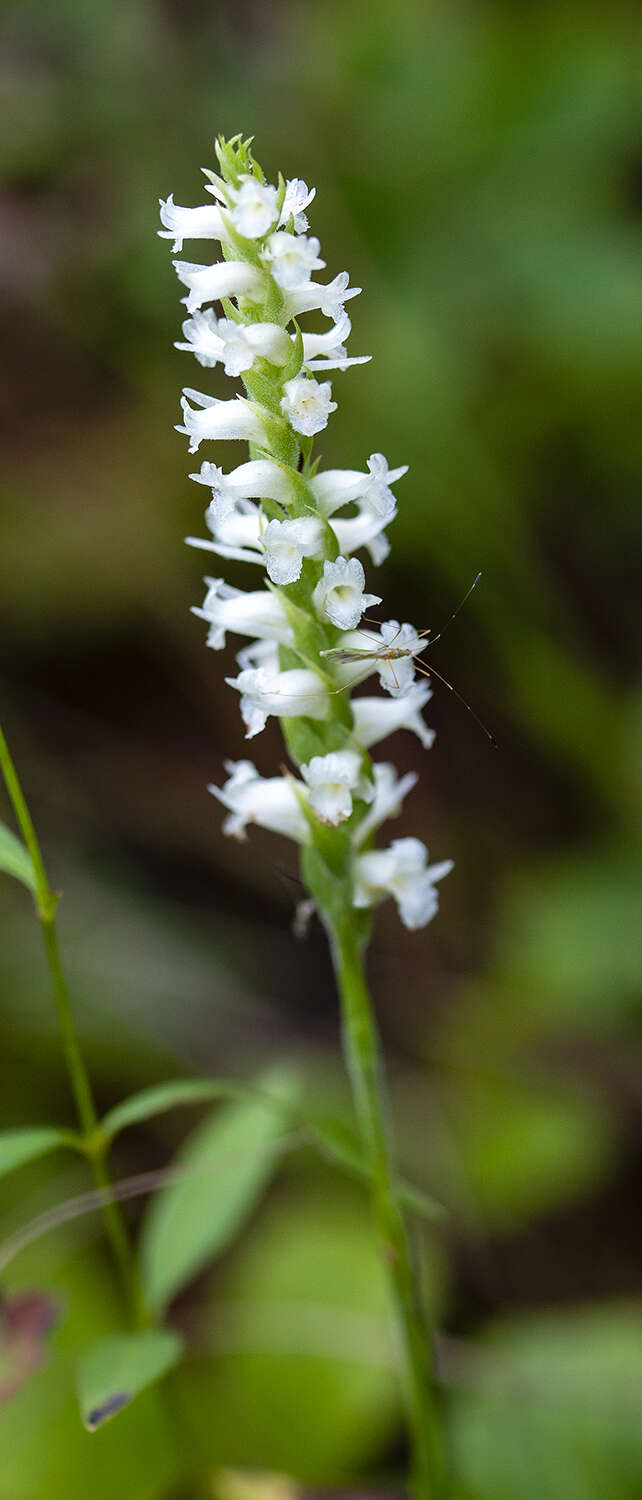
x=391 y=653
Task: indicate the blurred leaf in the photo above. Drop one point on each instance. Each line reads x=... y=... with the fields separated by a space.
x=524 y=1149
x=162 y=1097
x=303 y=1377
x=15 y=859
x=341 y=1145
x=227 y=1162
x=20 y=1146
x=554 y=1412
x=46 y=1451
x=572 y=939
x=112 y=1372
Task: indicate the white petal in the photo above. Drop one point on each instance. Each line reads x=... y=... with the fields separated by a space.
x=228 y=278
x=255 y=208
x=203 y=223
x=376 y=718
x=339 y=594
x=271 y=802
x=258 y=613
x=221 y=420
x=307 y=404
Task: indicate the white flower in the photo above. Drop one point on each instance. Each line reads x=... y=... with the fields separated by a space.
x=339 y=594
x=236 y=528
x=299 y=692
x=255 y=208
x=226 y=278
x=389 y=792
x=240 y=532
x=400 y=871
x=307 y=405
x=204 y=223
x=259 y=654
x=298 y=197
x=219 y=419
x=235 y=345
x=332 y=779
x=376 y=718
x=271 y=802
x=258 y=613
x=291 y=258
x=337 y=487
x=260 y=479
x=286 y=543
x=326 y=351
x=330 y=298
x=364 y=530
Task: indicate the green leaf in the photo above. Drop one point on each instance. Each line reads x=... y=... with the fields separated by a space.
x=341 y=1145
x=113 y=1371
x=17 y=1147
x=224 y=1167
x=15 y=859
x=301 y=1326
x=162 y=1097
x=550 y=1407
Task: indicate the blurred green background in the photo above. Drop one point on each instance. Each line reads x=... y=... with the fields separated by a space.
x=478 y=171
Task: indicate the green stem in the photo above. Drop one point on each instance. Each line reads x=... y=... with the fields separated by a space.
x=365 y=1067
x=95 y=1148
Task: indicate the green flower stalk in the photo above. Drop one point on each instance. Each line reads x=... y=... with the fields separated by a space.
x=301 y=528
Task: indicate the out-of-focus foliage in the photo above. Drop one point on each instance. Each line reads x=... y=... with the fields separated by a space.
x=555 y=1415
x=478 y=170
x=14 y=858
x=223 y=1171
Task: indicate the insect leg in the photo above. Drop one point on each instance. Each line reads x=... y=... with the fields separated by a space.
x=446 y=683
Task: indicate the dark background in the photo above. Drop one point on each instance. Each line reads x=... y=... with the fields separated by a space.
x=478 y=171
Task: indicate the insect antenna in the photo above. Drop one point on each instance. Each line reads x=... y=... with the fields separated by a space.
x=433 y=673
x=432 y=638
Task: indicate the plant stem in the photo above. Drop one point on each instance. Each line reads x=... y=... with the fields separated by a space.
x=365 y=1067
x=46 y=902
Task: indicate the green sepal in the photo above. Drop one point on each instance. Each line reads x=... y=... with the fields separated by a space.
x=307 y=444
x=247 y=250
x=231 y=311
x=331 y=545
x=294 y=362
x=330 y=891
x=261 y=385
x=279 y=436
x=310 y=636
x=303 y=739
x=332 y=844
x=216 y=182
x=235 y=159
x=281 y=191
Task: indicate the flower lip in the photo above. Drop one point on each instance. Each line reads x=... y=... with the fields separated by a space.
x=226 y=278
x=202 y=223
x=271 y=802
x=287 y=694
x=307 y=404
x=255 y=208
x=401 y=871
x=290 y=258
x=221 y=420
x=340 y=596
x=331 y=780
